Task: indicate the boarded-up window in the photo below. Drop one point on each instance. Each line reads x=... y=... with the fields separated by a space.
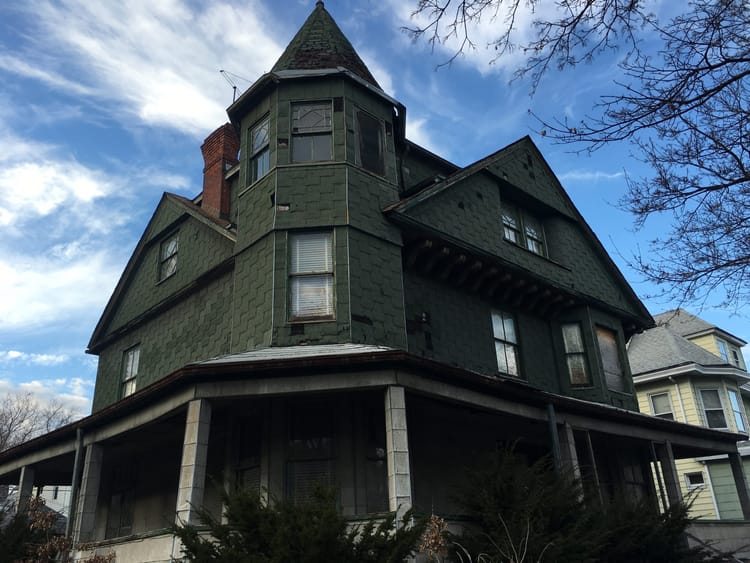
x=610 y=354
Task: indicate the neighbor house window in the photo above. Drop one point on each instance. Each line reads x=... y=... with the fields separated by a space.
x=713 y=409
x=311 y=276
x=260 y=153
x=523 y=230
x=131 y=358
x=661 y=405
x=695 y=480
x=736 y=404
x=723 y=350
x=370 y=143
x=506 y=343
x=311 y=132
x=610 y=354
x=168 y=256
x=575 y=354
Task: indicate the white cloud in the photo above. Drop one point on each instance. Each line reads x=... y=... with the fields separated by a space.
x=159 y=61
x=590 y=176
x=32 y=358
x=46 y=290
x=72 y=393
x=417 y=131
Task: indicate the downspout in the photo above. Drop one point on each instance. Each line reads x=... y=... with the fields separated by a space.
x=74 y=486
x=679 y=399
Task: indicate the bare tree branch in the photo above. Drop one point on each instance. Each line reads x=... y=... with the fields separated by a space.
x=685 y=108
x=22 y=418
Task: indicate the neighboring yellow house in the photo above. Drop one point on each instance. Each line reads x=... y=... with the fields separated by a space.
x=691 y=371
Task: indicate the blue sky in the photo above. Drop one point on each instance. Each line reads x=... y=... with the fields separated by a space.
x=104 y=105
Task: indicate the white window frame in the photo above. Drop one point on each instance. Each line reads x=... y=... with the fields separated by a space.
x=723 y=349
x=704 y=410
x=691 y=485
x=519 y=228
x=316 y=280
x=575 y=358
x=738 y=411
x=259 y=149
x=129 y=373
x=168 y=250
x=661 y=414
x=506 y=343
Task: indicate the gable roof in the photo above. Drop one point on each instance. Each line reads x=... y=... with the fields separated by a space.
x=662 y=348
x=499 y=165
x=183 y=206
x=686 y=324
x=320 y=44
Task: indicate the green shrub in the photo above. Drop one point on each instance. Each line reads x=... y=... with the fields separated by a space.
x=281 y=532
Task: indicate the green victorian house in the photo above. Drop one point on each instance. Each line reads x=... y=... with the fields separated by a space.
x=341 y=305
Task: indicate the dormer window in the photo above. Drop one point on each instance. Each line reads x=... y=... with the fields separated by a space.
x=168 y=256
x=523 y=230
x=311 y=132
x=370 y=153
x=260 y=153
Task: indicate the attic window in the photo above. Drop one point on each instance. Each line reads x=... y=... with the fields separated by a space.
x=523 y=230
x=259 y=149
x=168 y=256
x=370 y=143
x=311 y=132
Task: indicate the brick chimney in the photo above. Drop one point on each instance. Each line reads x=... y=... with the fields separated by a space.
x=220 y=151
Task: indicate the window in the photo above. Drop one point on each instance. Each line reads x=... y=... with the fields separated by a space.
x=311 y=132
x=723 y=350
x=523 y=230
x=575 y=354
x=130 y=360
x=168 y=256
x=736 y=357
x=121 y=502
x=311 y=276
x=695 y=480
x=661 y=405
x=370 y=145
x=259 y=150
x=248 y=452
x=712 y=408
x=610 y=353
x=736 y=404
x=310 y=450
x=506 y=343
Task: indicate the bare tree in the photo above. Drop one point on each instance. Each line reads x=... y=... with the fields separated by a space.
x=684 y=107
x=23 y=417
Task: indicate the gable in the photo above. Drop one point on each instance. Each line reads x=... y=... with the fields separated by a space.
x=466 y=209
x=155 y=274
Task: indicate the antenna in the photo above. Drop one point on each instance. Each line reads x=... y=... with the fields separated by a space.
x=228 y=77
x=231 y=83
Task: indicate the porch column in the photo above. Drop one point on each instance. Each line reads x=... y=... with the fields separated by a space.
x=85 y=517
x=397 y=452
x=194 y=458
x=25 y=488
x=669 y=472
x=568 y=454
x=735 y=462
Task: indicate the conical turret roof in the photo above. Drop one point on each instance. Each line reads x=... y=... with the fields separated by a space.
x=320 y=44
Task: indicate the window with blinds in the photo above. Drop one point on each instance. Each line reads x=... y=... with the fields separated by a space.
x=311 y=276
x=575 y=354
